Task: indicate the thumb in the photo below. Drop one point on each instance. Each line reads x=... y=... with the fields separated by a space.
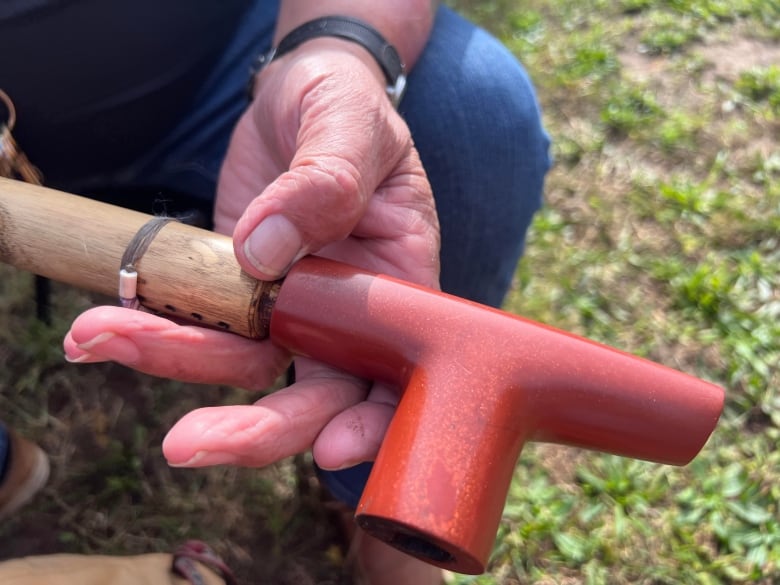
x=348 y=140
x=313 y=204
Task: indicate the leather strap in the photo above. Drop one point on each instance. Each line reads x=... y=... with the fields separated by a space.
x=351 y=29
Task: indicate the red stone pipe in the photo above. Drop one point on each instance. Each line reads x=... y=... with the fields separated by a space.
x=477 y=383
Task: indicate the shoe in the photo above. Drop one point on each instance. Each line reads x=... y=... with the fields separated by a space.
x=26 y=473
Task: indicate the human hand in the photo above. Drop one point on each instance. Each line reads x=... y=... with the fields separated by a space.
x=335 y=169
x=320 y=163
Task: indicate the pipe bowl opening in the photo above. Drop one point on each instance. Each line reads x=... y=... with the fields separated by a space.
x=418 y=544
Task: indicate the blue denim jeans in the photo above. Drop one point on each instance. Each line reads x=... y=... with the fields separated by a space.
x=475 y=121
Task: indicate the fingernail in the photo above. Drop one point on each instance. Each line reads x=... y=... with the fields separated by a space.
x=273 y=245
x=84 y=358
x=97 y=340
x=205 y=458
x=111 y=346
x=346 y=465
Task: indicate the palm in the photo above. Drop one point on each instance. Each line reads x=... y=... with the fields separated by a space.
x=340 y=166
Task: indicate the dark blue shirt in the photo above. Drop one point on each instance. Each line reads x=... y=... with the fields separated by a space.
x=97 y=83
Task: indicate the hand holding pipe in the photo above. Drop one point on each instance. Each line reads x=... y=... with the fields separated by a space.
x=477 y=383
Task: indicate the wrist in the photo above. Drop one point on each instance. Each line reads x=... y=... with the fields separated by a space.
x=323 y=47
x=345 y=34
x=406 y=24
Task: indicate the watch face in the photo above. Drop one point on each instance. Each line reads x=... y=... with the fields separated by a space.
x=262 y=61
x=396 y=92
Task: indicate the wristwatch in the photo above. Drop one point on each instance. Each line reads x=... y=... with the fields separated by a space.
x=350 y=29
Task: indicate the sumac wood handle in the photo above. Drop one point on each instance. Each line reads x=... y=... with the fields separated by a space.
x=187 y=272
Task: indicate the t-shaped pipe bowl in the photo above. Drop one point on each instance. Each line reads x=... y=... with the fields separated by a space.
x=478 y=384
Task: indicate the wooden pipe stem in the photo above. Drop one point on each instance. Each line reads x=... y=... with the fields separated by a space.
x=187 y=272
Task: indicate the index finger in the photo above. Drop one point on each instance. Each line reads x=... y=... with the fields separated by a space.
x=157 y=346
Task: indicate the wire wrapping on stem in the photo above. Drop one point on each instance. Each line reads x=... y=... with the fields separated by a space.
x=128 y=273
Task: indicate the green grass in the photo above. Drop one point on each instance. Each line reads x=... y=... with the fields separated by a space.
x=660 y=236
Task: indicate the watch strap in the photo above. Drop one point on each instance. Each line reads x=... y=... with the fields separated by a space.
x=351 y=29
